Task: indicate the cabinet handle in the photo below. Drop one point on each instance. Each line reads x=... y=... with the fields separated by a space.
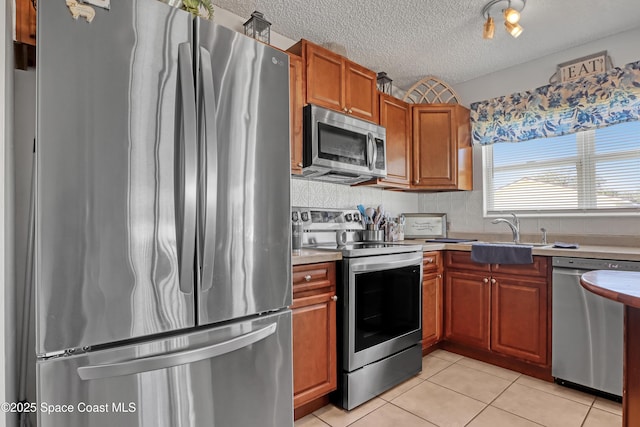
x=493 y=281
x=429 y=260
x=307 y=277
x=345 y=109
x=334 y=298
x=485 y=280
x=300 y=164
x=417 y=181
x=439 y=276
x=350 y=111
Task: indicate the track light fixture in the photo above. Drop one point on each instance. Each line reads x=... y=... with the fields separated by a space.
x=489 y=29
x=510 y=11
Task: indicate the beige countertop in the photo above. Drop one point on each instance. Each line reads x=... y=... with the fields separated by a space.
x=312 y=256
x=624 y=253
x=584 y=251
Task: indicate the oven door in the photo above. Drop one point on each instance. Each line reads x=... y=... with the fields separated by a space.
x=383 y=307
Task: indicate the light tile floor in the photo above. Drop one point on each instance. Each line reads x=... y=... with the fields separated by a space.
x=455 y=391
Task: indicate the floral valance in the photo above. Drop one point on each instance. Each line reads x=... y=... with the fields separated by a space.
x=587 y=103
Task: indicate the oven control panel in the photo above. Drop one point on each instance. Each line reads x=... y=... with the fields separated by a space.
x=327 y=219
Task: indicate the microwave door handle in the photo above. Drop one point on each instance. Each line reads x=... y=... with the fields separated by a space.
x=370 y=151
x=375 y=153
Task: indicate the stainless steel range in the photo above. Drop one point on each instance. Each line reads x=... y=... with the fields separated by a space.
x=379 y=305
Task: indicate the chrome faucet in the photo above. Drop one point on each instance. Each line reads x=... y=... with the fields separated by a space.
x=515 y=226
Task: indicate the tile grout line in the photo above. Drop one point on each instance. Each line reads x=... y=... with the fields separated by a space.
x=414 y=414
x=495 y=398
x=558 y=396
x=321 y=420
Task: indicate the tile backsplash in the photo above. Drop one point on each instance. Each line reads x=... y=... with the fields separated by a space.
x=317 y=194
x=465 y=214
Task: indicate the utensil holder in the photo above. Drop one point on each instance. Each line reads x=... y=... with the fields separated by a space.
x=373 y=235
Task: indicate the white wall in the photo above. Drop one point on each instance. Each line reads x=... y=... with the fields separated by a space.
x=4 y=12
x=464 y=210
x=24 y=109
x=7 y=359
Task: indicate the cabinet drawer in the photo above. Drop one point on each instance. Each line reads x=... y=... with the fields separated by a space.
x=538 y=268
x=462 y=260
x=312 y=278
x=431 y=262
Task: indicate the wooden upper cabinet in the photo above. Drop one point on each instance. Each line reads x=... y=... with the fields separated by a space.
x=325 y=82
x=334 y=82
x=395 y=116
x=442 y=152
x=25 y=22
x=296 y=96
x=361 y=92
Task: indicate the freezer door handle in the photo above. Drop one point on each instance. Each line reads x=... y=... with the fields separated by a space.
x=209 y=170
x=186 y=170
x=164 y=361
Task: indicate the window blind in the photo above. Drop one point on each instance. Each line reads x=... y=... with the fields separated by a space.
x=590 y=171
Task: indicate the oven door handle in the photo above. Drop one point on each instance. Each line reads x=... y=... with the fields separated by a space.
x=384 y=265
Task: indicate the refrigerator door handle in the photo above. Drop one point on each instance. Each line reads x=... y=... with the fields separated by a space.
x=209 y=171
x=186 y=169
x=169 y=360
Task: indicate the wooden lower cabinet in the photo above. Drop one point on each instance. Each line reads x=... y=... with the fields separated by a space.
x=314 y=332
x=432 y=293
x=519 y=317
x=467 y=299
x=501 y=309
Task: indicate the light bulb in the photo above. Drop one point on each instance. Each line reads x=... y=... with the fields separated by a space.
x=514 y=29
x=511 y=15
x=489 y=29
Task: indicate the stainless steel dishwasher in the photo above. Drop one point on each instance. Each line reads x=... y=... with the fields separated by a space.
x=587 y=338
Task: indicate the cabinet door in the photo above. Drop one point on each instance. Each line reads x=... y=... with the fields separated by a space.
x=314 y=347
x=431 y=309
x=442 y=154
x=25 y=22
x=395 y=116
x=519 y=317
x=325 y=85
x=296 y=96
x=361 y=98
x=467 y=308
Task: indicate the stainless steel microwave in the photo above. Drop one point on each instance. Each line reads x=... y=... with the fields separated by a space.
x=342 y=149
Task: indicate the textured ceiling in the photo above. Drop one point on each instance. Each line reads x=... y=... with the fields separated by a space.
x=410 y=39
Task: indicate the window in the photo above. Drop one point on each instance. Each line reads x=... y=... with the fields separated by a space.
x=595 y=171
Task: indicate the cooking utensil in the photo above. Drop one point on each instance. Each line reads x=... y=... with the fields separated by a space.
x=380 y=214
x=369 y=213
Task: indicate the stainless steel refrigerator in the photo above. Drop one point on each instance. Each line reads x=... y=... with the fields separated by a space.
x=162 y=256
